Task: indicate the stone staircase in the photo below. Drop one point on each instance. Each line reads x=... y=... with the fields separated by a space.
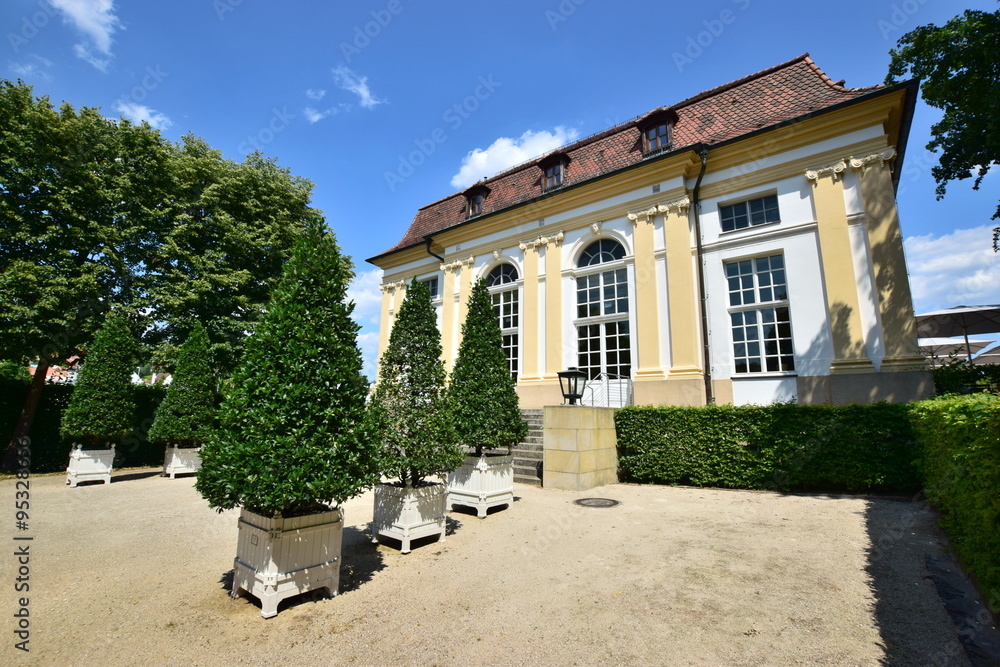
x=528 y=454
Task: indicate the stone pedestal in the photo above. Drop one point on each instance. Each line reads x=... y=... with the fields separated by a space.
x=580 y=447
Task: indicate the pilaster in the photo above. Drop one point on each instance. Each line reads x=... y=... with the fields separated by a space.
x=647 y=315
x=840 y=282
x=682 y=294
x=530 y=335
x=902 y=352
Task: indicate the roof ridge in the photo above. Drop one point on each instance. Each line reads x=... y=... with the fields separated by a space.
x=836 y=85
x=739 y=82
x=691 y=100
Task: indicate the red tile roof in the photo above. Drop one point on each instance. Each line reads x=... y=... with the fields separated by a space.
x=767 y=98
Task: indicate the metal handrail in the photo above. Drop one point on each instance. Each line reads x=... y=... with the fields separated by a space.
x=624 y=394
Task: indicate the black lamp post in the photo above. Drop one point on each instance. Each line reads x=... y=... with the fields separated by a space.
x=571 y=383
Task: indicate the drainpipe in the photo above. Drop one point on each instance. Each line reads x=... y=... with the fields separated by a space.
x=706 y=348
x=430 y=252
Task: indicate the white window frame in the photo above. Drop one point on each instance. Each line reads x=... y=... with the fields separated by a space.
x=603 y=319
x=512 y=288
x=753 y=302
x=746 y=202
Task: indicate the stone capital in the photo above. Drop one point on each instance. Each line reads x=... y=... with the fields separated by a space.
x=387 y=287
x=542 y=241
x=458 y=264
x=882 y=157
x=834 y=170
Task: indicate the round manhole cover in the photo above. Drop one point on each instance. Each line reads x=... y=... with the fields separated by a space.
x=597 y=502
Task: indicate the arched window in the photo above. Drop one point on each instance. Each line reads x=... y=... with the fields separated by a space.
x=502 y=283
x=602 y=311
x=601 y=251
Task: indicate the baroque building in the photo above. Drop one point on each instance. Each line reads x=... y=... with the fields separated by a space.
x=740 y=246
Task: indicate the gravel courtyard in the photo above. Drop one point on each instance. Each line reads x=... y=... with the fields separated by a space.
x=135 y=572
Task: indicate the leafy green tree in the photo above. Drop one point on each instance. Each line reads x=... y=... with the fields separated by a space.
x=409 y=413
x=291 y=430
x=482 y=395
x=81 y=204
x=232 y=229
x=186 y=416
x=101 y=409
x=96 y=214
x=14 y=370
x=959 y=64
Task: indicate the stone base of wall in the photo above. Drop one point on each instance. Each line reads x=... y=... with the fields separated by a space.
x=580 y=448
x=536 y=394
x=901 y=387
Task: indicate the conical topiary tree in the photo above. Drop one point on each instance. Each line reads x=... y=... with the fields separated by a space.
x=102 y=409
x=290 y=435
x=187 y=413
x=409 y=413
x=481 y=393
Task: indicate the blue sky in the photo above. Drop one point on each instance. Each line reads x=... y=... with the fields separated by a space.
x=387 y=105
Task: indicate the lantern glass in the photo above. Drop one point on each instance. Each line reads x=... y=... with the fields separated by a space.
x=571 y=384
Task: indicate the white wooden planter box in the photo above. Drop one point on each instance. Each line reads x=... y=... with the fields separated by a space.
x=89 y=464
x=179 y=460
x=409 y=513
x=279 y=557
x=482 y=482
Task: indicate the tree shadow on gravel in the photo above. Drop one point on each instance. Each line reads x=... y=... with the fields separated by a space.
x=137 y=475
x=926 y=611
x=360 y=559
x=473 y=512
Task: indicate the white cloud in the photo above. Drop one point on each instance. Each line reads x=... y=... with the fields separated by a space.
x=367 y=298
x=138 y=113
x=957 y=268
x=315 y=94
x=97 y=20
x=368 y=344
x=35 y=69
x=506 y=152
x=347 y=80
x=314 y=116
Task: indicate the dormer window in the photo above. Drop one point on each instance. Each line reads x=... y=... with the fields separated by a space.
x=476 y=204
x=658 y=131
x=657 y=138
x=553 y=176
x=553 y=171
x=476 y=200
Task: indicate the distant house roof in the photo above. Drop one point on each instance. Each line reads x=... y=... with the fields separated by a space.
x=765 y=99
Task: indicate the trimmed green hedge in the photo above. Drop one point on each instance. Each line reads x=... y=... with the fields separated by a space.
x=855 y=448
x=959 y=438
x=50 y=452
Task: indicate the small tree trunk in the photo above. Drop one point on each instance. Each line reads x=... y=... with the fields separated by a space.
x=27 y=416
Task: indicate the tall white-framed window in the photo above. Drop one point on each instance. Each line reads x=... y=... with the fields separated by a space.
x=603 y=327
x=759 y=315
x=432 y=285
x=502 y=284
